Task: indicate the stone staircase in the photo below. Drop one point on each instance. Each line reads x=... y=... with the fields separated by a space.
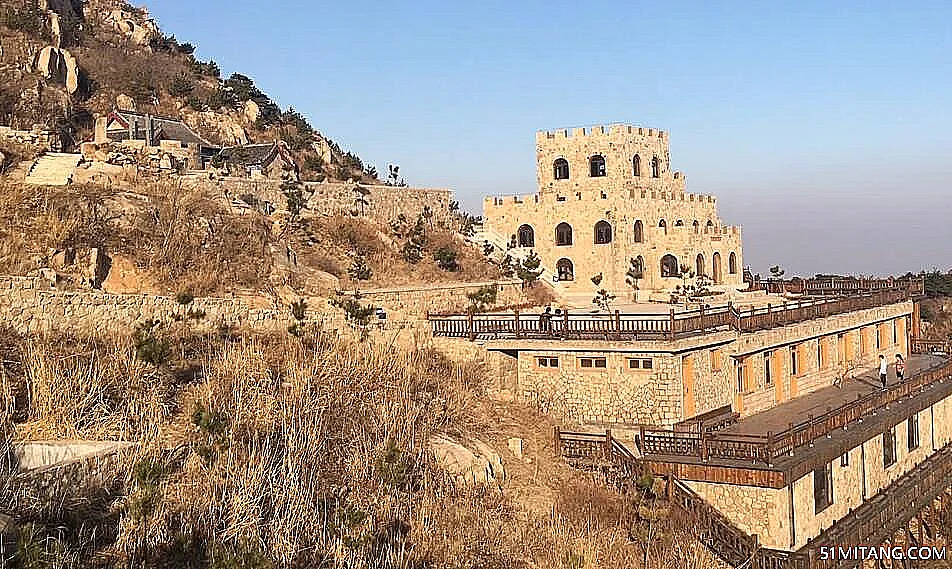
x=53 y=169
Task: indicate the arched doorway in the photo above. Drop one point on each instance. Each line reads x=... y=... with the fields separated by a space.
x=732 y=263
x=699 y=265
x=526 y=236
x=603 y=233
x=669 y=266
x=565 y=270
x=716 y=268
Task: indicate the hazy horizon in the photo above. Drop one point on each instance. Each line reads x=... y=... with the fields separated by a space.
x=823 y=129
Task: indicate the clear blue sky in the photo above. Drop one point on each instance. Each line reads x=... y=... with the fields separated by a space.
x=824 y=127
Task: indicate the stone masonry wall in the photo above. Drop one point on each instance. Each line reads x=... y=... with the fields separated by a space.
x=420 y=300
x=337 y=198
x=763 y=512
x=29 y=305
x=615 y=394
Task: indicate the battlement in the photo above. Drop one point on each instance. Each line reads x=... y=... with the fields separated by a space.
x=600 y=130
x=574 y=196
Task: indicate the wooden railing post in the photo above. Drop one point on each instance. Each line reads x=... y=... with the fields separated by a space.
x=608 y=443
x=617 y=325
x=565 y=322
x=558 y=440
x=671 y=324
x=469 y=326
x=518 y=325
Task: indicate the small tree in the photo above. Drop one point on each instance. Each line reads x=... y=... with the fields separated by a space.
x=360 y=270
x=776 y=272
x=299 y=313
x=634 y=273
x=360 y=198
x=413 y=248
x=446 y=259
x=150 y=348
x=297 y=197
x=508 y=267
x=356 y=314
x=480 y=300
x=393 y=176
x=603 y=299
x=528 y=270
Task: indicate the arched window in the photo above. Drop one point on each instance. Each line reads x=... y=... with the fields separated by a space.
x=565 y=270
x=699 y=265
x=526 y=236
x=710 y=224
x=655 y=167
x=563 y=234
x=697 y=226
x=716 y=268
x=603 y=233
x=561 y=167
x=639 y=266
x=636 y=165
x=732 y=263
x=679 y=223
x=669 y=266
x=596 y=166
x=663 y=226
x=639 y=232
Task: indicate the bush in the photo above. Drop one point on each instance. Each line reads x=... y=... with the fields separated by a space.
x=182 y=85
x=482 y=299
x=209 y=421
x=396 y=468
x=150 y=348
x=446 y=259
x=360 y=270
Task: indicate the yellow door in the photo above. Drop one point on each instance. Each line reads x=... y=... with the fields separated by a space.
x=687 y=380
x=775 y=367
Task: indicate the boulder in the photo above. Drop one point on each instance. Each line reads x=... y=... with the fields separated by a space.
x=515 y=445
x=125 y=103
x=98 y=267
x=251 y=111
x=477 y=465
x=61 y=259
x=59 y=66
x=139 y=30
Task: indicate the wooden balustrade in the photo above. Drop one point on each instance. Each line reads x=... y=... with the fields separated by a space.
x=629 y=326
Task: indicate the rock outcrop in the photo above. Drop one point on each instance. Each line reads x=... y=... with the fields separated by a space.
x=58 y=65
x=138 y=30
x=479 y=465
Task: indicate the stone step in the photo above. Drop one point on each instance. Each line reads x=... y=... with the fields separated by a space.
x=53 y=169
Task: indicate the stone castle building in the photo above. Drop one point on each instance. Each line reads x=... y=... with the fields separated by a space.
x=607 y=196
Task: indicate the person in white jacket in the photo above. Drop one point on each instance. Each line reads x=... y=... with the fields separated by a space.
x=882 y=370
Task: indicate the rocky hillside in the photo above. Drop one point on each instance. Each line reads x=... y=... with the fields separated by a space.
x=62 y=62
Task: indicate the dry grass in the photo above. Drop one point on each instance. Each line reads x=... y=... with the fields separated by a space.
x=288 y=452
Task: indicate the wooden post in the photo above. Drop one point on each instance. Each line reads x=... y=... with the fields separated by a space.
x=671 y=325
x=469 y=326
x=617 y=325
x=608 y=443
x=558 y=440
x=565 y=322
x=518 y=325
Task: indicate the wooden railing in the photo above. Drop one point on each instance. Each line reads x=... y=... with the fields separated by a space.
x=843 y=286
x=920 y=346
x=632 y=326
x=710 y=526
x=707 y=445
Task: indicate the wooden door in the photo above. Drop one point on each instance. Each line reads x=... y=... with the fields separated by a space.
x=687 y=380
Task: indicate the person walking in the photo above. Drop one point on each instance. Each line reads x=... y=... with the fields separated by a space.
x=545 y=321
x=900 y=367
x=882 y=370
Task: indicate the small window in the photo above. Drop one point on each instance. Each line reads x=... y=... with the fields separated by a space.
x=895 y=333
x=604 y=196
x=912 y=432
x=563 y=234
x=561 y=169
x=547 y=362
x=879 y=336
x=560 y=198
x=819 y=354
x=822 y=488
x=845 y=459
x=794 y=364
x=889 y=448
x=636 y=165
x=597 y=166
x=768 y=376
x=655 y=167
x=716 y=360
x=639 y=232
x=593 y=362
x=603 y=233
x=640 y=363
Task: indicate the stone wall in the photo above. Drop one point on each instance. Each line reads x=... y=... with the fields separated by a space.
x=30 y=305
x=420 y=300
x=764 y=512
x=614 y=394
x=40 y=138
x=385 y=203
x=670 y=221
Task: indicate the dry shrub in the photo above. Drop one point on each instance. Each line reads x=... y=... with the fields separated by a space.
x=352 y=234
x=327 y=264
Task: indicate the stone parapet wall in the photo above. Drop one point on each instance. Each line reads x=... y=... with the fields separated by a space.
x=384 y=203
x=40 y=138
x=420 y=300
x=29 y=305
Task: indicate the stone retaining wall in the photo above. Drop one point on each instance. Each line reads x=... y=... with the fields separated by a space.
x=420 y=300
x=30 y=305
